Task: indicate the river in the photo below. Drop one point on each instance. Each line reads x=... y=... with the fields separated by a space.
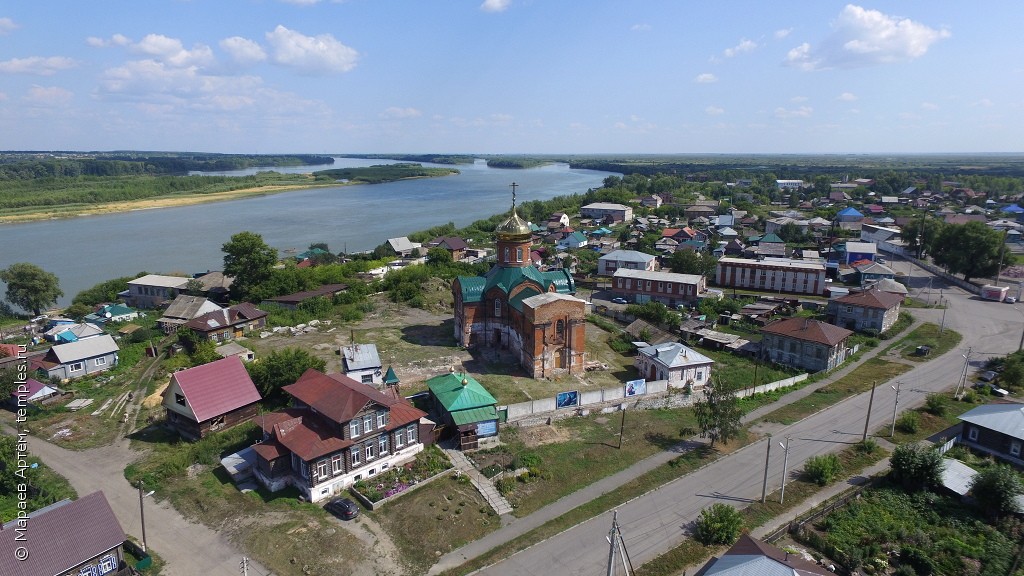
x=87 y=250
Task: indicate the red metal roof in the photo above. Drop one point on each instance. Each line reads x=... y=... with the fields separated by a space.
x=336 y=396
x=871 y=299
x=808 y=330
x=61 y=537
x=217 y=388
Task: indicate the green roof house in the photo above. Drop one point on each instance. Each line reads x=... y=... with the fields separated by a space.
x=466 y=405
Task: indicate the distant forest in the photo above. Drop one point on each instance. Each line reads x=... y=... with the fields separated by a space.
x=383 y=173
x=30 y=166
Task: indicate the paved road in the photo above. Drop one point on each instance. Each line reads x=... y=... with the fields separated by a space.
x=654 y=523
x=190 y=549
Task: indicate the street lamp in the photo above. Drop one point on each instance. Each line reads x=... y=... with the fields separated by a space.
x=785 y=469
x=895 y=407
x=142 y=514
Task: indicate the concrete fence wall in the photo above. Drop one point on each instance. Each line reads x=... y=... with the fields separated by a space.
x=543 y=411
x=945 y=275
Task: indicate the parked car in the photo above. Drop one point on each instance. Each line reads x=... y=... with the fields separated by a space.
x=343 y=508
x=987 y=376
x=1010 y=299
x=619 y=300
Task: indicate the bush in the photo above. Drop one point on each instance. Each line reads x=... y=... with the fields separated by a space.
x=823 y=469
x=718 y=524
x=918 y=560
x=505 y=486
x=935 y=404
x=909 y=422
x=867 y=446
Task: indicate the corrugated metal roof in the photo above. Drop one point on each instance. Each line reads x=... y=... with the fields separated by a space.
x=474 y=415
x=62 y=537
x=360 y=357
x=217 y=388
x=460 y=392
x=675 y=355
x=957 y=476
x=83 y=349
x=1003 y=418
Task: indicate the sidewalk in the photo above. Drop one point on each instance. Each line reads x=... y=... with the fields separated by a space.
x=483 y=485
x=519 y=526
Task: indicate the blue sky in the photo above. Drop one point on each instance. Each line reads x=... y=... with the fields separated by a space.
x=512 y=76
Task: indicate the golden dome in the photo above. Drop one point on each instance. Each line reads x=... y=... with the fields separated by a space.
x=513 y=228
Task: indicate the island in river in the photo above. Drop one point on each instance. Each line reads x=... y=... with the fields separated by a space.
x=29 y=198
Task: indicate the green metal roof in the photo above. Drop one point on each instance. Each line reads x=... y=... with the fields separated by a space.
x=507 y=278
x=455 y=396
x=472 y=287
x=474 y=415
x=390 y=377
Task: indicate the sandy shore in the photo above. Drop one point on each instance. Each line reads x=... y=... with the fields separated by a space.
x=48 y=213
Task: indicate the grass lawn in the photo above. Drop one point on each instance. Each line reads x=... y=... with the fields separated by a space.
x=730 y=368
x=577 y=451
x=860 y=380
x=926 y=335
x=436 y=519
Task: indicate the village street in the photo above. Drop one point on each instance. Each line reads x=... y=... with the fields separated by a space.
x=654 y=523
x=188 y=548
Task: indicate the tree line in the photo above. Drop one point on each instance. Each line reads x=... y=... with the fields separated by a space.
x=18 y=168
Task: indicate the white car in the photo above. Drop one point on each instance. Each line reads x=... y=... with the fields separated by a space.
x=1010 y=300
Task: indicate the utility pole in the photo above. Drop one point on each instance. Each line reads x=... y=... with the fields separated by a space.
x=244 y=566
x=942 y=326
x=867 y=419
x=963 y=375
x=622 y=426
x=895 y=407
x=612 y=543
x=785 y=470
x=767 y=459
x=142 y=516
x=1002 y=250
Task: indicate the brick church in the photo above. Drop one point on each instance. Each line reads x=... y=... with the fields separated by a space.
x=516 y=307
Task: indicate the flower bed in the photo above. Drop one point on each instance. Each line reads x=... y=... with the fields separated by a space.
x=427 y=466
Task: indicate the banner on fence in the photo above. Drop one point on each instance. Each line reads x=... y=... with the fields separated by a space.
x=636 y=387
x=570 y=399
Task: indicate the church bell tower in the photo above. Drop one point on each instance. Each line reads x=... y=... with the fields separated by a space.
x=513 y=239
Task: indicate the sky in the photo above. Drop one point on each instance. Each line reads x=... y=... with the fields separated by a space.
x=513 y=76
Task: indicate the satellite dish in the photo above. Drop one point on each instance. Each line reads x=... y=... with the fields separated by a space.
x=378 y=372
x=108 y=314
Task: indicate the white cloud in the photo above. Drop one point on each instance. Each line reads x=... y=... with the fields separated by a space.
x=744 y=46
x=7 y=26
x=929 y=106
x=495 y=5
x=780 y=34
x=706 y=78
x=714 y=111
x=243 y=50
x=640 y=27
x=800 y=112
x=48 y=96
x=984 y=103
x=171 y=51
x=115 y=40
x=799 y=99
x=862 y=37
x=396 y=112
x=847 y=97
x=37 y=65
x=321 y=54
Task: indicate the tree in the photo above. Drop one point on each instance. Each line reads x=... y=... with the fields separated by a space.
x=280 y=368
x=77 y=311
x=249 y=260
x=718 y=524
x=971 y=249
x=439 y=257
x=822 y=469
x=689 y=262
x=916 y=467
x=30 y=287
x=719 y=413
x=995 y=488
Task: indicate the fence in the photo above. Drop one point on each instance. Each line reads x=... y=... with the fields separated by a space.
x=657 y=395
x=945 y=275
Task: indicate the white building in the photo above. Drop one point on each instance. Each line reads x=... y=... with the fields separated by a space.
x=625 y=259
x=683 y=367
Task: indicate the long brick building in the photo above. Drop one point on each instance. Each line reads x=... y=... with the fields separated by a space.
x=666 y=287
x=782 y=275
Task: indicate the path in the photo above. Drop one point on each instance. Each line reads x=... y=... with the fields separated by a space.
x=483 y=484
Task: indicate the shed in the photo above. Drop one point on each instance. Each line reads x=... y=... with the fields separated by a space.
x=465 y=404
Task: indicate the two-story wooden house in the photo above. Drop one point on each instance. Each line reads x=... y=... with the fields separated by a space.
x=804 y=343
x=870 y=310
x=336 y=432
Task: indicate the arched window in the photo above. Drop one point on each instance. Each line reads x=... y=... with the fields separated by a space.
x=506 y=254
x=519 y=254
x=497 y=307
x=560 y=326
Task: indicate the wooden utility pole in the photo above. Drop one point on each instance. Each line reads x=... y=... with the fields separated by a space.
x=767 y=459
x=867 y=419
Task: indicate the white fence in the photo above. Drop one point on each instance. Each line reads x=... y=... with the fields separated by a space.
x=658 y=395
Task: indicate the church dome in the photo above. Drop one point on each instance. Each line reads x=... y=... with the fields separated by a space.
x=513 y=228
